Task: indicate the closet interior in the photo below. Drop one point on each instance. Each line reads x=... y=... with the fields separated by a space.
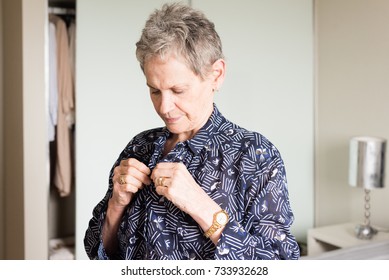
x=61 y=127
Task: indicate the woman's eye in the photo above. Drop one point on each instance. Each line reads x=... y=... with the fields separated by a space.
x=154 y=91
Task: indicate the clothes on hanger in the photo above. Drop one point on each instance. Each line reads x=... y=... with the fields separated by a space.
x=63 y=169
x=53 y=85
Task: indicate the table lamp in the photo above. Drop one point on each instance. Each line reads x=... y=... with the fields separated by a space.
x=367 y=171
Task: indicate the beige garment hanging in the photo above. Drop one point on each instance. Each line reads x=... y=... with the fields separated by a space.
x=63 y=172
x=72 y=61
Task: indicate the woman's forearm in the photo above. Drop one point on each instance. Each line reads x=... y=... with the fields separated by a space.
x=110 y=229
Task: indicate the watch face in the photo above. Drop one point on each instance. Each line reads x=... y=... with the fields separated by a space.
x=222 y=218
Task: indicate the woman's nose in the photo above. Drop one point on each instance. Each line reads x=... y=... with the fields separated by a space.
x=167 y=103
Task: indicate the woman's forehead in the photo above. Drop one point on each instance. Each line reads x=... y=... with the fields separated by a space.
x=168 y=72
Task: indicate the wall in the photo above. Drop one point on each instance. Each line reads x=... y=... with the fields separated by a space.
x=269 y=88
x=352 y=99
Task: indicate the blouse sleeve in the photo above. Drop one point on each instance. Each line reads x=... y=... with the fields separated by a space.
x=93 y=236
x=139 y=148
x=93 y=241
x=262 y=229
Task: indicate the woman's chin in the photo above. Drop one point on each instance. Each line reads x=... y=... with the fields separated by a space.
x=182 y=133
x=174 y=129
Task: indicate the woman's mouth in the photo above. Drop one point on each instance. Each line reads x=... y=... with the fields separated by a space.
x=171 y=120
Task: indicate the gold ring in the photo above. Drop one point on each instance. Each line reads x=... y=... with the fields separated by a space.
x=122 y=181
x=160 y=181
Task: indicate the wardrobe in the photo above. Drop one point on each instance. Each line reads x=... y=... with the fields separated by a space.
x=38 y=218
x=61 y=123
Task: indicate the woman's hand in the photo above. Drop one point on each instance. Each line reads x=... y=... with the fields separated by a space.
x=173 y=181
x=128 y=177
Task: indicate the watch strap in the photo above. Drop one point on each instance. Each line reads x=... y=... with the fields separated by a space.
x=215 y=224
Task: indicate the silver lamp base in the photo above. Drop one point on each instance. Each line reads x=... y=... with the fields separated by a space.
x=365 y=231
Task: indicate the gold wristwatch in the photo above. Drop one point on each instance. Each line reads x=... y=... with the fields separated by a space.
x=220 y=219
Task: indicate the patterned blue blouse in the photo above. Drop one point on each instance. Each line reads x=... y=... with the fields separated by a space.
x=239 y=169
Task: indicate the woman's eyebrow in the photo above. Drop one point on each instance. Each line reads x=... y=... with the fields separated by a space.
x=172 y=87
x=150 y=86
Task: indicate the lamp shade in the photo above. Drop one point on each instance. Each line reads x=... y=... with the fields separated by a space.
x=367 y=162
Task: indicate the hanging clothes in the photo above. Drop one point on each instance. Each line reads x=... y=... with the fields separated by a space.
x=53 y=84
x=64 y=162
x=72 y=61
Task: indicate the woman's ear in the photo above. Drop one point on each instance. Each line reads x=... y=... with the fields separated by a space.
x=218 y=73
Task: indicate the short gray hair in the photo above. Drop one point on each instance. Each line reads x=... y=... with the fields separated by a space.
x=180 y=29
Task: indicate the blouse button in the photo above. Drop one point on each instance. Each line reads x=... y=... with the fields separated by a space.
x=260 y=151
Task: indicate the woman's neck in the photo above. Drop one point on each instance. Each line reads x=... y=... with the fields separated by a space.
x=169 y=145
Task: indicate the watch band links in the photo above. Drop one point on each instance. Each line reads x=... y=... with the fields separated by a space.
x=216 y=224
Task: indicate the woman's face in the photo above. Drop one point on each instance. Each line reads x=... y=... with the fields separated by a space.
x=182 y=99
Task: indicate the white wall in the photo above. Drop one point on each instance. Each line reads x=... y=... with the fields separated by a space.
x=352 y=99
x=269 y=89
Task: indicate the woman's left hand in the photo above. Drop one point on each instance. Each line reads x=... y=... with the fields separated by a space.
x=173 y=181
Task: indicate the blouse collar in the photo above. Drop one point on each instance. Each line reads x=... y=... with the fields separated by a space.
x=203 y=137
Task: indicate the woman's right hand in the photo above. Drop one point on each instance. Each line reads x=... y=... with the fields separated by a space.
x=129 y=176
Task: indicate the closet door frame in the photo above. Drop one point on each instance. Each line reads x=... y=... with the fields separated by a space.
x=35 y=120
x=26 y=172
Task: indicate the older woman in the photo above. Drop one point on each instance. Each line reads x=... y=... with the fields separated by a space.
x=201 y=187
